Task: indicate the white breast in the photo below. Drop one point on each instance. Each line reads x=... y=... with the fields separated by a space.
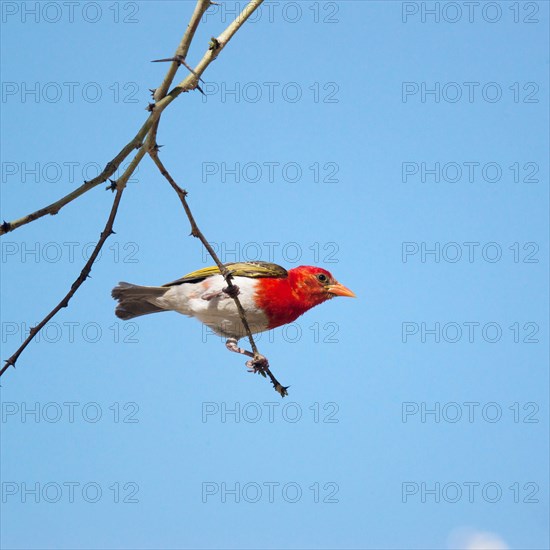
x=209 y=304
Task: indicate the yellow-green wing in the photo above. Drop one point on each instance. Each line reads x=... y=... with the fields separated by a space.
x=254 y=270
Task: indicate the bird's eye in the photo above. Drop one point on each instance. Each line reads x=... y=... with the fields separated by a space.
x=322 y=278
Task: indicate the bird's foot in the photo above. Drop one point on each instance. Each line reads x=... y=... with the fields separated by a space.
x=258 y=364
x=232 y=291
x=231 y=345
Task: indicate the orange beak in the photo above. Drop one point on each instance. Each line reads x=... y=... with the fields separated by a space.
x=340 y=290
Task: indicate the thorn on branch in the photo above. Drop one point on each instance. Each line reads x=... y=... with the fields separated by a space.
x=112 y=187
x=164 y=60
x=150 y=107
x=6 y=227
x=200 y=89
x=214 y=44
x=105 y=234
x=152 y=90
x=180 y=60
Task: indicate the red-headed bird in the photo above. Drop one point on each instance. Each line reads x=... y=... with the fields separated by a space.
x=270 y=295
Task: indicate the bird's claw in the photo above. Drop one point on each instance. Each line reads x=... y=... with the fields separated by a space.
x=232 y=291
x=258 y=365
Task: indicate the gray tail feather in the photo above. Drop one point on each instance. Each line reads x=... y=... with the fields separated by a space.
x=135 y=300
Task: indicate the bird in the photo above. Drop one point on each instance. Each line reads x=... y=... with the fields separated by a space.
x=270 y=295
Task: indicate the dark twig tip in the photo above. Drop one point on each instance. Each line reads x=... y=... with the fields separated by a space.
x=6 y=227
x=280 y=389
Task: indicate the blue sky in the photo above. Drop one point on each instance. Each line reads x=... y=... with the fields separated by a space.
x=403 y=149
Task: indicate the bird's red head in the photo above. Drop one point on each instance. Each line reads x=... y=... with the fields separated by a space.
x=305 y=287
x=314 y=285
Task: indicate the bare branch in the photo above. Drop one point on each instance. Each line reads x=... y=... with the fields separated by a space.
x=55 y=207
x=109 y=170
x=107 y=231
